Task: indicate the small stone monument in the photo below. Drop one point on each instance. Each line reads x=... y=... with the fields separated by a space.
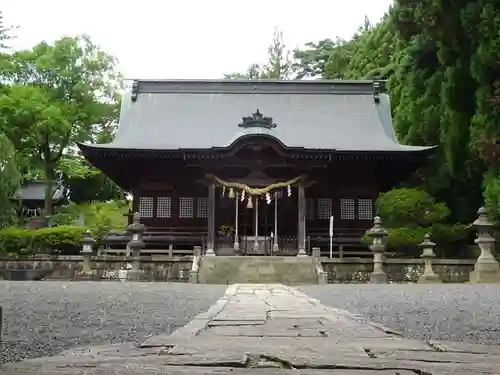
x=1 y=324
x=193 y=273
x=486 y=269
x=87 y=248
x=378 y=234
x=428 y=277
x=135 y=245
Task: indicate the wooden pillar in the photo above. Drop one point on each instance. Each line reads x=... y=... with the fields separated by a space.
x=236 y=222
x=256 y=243
x=275 y=244
x=301 y=228
x=211 y=220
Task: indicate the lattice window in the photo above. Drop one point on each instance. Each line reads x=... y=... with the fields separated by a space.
x=365 y=209
x=310 y=209
x=202 y=208
x=186 y=207
x=163 y=207
x=347 y=209
x=324 y=208
x=146 y=207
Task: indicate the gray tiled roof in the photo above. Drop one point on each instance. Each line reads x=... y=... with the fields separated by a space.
x=35 y=191
x=203 y=114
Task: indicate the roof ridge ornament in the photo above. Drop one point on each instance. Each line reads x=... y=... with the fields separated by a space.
x=378 y=88
x=135 y=91
x=257 y=120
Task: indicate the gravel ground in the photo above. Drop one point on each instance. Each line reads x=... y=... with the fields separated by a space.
x=44 y=318
x=458 y=312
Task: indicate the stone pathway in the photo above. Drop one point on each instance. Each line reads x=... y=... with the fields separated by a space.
x=267 y=330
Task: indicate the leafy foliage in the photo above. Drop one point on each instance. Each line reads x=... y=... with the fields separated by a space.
x=9 y=180
x=410 y=214
x=58 y=95
x=442 y=63
x=279 y=64
x=492 y=194
x=61 y=239
x=65 y=238
x=5 y=33
x=97 y=216
x=410 y=208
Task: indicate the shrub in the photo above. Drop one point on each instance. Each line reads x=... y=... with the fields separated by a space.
x=108 y=215
x=63 y=239
x=406 y=240
x=492 y=195
x=409 y=214
x=410 y=208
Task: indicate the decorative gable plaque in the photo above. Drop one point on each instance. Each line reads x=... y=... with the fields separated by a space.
x=257 y=120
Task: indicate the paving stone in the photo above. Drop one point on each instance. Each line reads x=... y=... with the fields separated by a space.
x=163 y=341
x=281 y=329
x=272 y=329
x=250 y=331
x=273 y=346
x=215 y=323
x=464 y=347
x=443 y=357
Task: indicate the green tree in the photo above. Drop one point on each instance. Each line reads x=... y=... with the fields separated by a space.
x=278 y=66
x=411 y=213
x=254 y=71
x=442 y=63
x=5 y=33
x=60 y=94
x=311 y=61
x=10 y=179
x=9 y=173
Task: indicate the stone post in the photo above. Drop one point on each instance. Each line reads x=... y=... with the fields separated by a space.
x=486 y=269
x=301 y=221
x=316 y=252
x=135 y=245
x=1 y=324
x=87 y=248
x=193 y=273
x=428 y=255
x=211 y=221
x=378 y=234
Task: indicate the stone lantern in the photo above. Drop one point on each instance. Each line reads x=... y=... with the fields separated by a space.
x=87 y=248
x=486 y=269
x=428 y=255
x=136 y=229
x=378 y=234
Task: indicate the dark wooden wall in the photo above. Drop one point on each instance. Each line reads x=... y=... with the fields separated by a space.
x=181 y=203
x=176 y=198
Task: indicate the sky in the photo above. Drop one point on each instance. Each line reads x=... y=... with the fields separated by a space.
x=187 y=39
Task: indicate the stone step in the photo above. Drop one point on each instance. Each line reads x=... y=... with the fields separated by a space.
x=255 y=269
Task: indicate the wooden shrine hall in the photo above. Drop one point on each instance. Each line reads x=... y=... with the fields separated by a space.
x=255 y=167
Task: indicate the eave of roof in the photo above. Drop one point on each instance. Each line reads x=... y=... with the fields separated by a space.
x=99 y=149
x=170 y=116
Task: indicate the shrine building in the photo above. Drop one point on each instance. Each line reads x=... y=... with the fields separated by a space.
x=255 y=167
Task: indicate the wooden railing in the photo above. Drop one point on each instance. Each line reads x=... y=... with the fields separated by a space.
x=287 y=246
x=160 y=240
x=345 y=242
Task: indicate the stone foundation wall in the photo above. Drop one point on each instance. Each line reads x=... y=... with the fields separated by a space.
x=357 y=270
x=104 y=267
x=164 y=268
